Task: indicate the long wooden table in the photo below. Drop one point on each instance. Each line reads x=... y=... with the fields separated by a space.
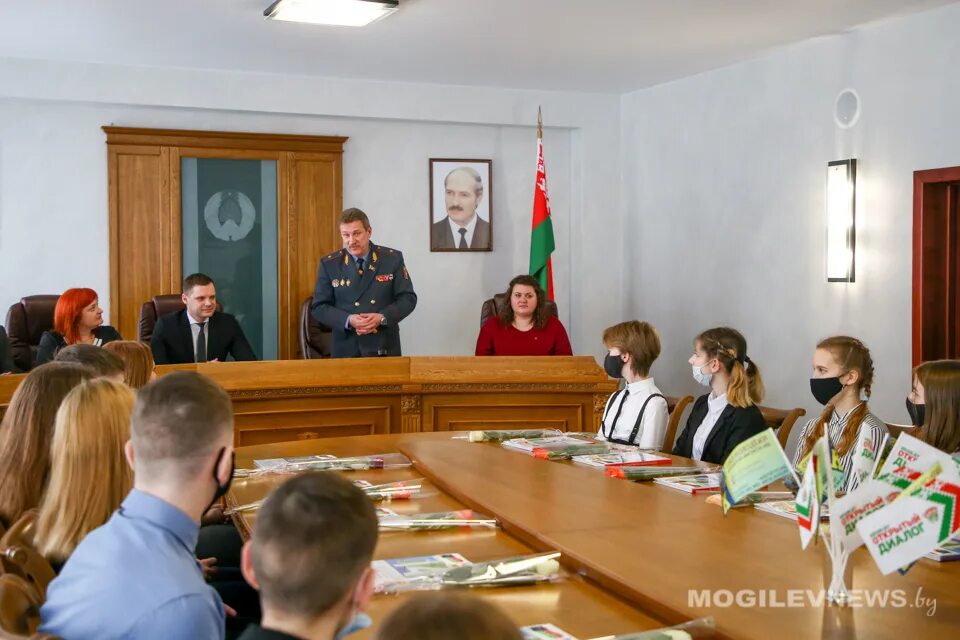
x=287 y=400
x=641 y=544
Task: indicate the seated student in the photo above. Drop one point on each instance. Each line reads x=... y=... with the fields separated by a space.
x=842 y=378
x=25 y=434
x=89 y=475
x=6 y=360
x=309 y=556
x=636 y=414
x=137 y=576
x=447 y=616
x=934 y=404
x=728 y=415
x=177 y=336
x=77 y=319
x=101 y=361
x=524 y=327
x=138 y=366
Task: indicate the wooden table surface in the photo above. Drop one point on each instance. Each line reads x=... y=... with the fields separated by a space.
x=641 y=547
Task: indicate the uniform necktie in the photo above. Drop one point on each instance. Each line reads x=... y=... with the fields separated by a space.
x=463 y=238
x=201 y=344
x=360 y=265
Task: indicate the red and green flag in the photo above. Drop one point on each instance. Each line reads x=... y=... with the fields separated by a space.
x=541 y=239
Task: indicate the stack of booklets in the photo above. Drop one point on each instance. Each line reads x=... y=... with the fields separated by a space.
x=332 y=463
x=559 y=447
x=947 y=552
x=453 y=570
x=624 y=459
x=788 y=509
x=697 y=483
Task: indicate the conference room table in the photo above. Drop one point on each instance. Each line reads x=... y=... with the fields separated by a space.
x=636 y=556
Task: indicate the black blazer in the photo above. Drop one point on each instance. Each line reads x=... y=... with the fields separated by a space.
x=6 y=362
x=51 y=342
x=172 y=341
x=735 y=425
x=441 y=235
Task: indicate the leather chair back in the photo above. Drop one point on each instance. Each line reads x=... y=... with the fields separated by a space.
x=158 y=306
x=492 y=306
x=26 y=322
x=20 y=557
x=315 y=337
x=19 y=607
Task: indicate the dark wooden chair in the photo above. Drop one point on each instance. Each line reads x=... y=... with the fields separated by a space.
x=782 y=421
x=19 y=556
x=896 y=429
x=19 y=607
x=676 y=405
x=315 y=338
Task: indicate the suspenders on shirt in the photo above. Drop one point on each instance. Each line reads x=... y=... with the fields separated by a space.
x=613 y=425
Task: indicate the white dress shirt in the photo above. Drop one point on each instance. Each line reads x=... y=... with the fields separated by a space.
x=195 y=330
x=455 y=228
x=653 y=425
x=715 y=406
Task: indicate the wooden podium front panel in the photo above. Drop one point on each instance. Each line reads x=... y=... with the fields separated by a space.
x=506 y=410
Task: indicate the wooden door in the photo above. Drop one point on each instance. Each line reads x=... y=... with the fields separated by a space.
x=145 y=219
x=936 y=265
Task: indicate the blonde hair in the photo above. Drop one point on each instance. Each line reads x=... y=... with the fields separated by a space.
x=640 y=339
x=729 y=347
x=941 y=394
x=89 y=475
x=137 y=361
x=852 y=355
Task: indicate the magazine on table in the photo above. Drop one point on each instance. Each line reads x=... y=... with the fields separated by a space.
x=697 y=483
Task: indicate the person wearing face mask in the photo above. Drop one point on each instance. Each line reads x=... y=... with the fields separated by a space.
x=77 y=319
x=637 y=414
x=728 y=415
x=309 y=556
x=934 y=404
x=842 y=378
x=137 y=575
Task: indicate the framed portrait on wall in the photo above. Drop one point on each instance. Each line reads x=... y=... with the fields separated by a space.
x=461 y=216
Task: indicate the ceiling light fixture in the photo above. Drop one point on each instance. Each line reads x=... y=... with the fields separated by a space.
x=345 y=13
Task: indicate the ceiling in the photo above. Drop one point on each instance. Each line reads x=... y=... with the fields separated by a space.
x=607 y=46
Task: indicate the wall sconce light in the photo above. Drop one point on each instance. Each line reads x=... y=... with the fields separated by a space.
x=841 y=220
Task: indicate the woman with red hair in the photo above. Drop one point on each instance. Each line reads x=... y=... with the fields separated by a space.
x=78 y=319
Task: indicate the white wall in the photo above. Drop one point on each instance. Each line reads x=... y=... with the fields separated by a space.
x=723 y=186
x=53 y=195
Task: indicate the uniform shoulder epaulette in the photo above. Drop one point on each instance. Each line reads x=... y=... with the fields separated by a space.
x=332 y=256
x=386 y=250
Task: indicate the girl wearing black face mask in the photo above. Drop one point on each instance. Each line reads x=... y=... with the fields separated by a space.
x=842 y=378
x=934 y=404
x=636 y=414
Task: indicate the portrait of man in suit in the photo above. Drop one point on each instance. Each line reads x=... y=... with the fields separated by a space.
x=460 y=205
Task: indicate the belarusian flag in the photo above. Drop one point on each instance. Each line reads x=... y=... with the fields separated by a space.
x=541 y=239
x=808 y=503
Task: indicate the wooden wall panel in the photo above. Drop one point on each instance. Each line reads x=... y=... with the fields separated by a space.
x=458 y=412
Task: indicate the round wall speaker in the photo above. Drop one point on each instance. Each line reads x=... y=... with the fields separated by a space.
x=846 y=110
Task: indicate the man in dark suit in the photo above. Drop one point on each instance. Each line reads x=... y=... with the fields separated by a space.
x=462 y=228
x=199 y=333
x=362 y=292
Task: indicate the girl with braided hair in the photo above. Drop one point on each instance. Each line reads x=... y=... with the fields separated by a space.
x=842 y=379
x=728 y=415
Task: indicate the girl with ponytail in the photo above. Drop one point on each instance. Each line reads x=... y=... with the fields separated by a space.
x=842 y=379
x=728 y=415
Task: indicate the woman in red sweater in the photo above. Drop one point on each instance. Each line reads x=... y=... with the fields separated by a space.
x=524 y=327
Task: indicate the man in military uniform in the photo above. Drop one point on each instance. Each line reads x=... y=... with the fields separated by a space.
x=362 y=293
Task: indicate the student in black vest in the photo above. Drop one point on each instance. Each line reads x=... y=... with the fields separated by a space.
x=637 y=414
x=177 y=336
x=728 y=415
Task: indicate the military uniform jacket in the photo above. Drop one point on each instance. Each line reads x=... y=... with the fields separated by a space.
x=340 y=291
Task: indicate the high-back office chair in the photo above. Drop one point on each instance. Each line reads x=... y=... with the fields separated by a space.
x=896 y=429
x=157 y=306
x=781 y=421
x=491 y=307
x=315 y=337
x=26 y=322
